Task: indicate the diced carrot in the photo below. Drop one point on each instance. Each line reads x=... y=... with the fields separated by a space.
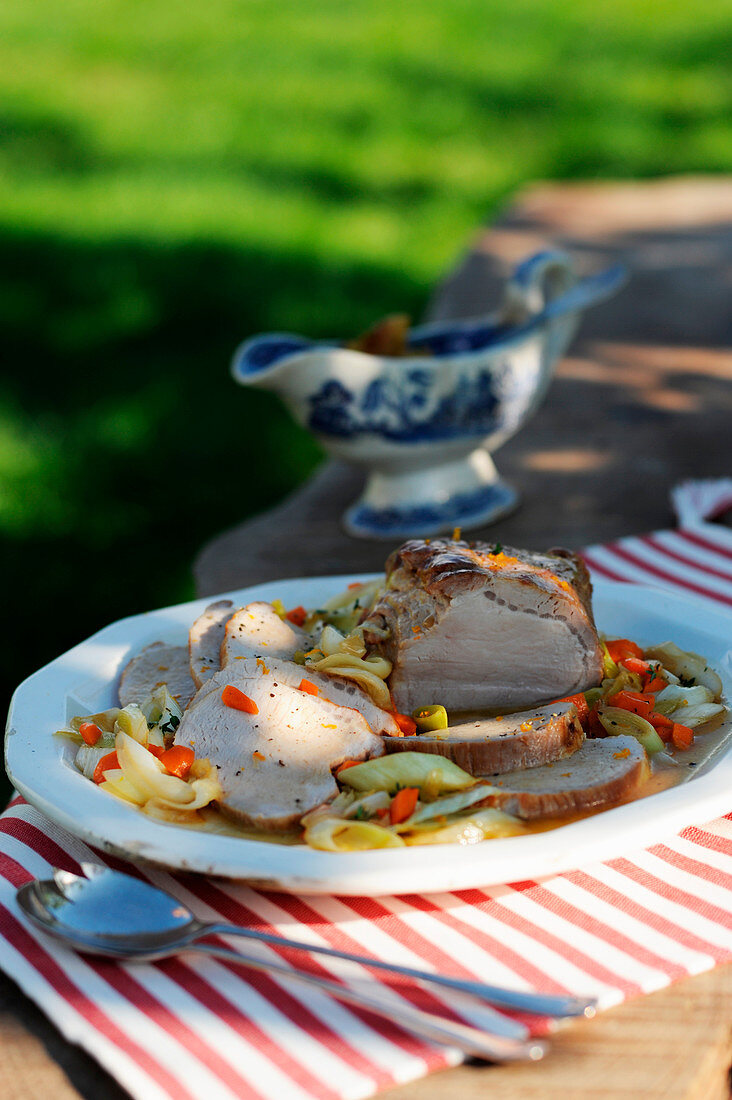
x=682 y=736
x=297 y=615
x=654 y=685
x=633 y=701
x=663 y=726
x=635 y=664
x=257 y=755
x=90 y=732
x=623 y=647
x=355 y=584
x=308 y=687
x=232 y=697
x=156 y=750
x=177 y=760
x=346 y=764
x=407 y=725
x=402 y=804
x=594 y=726
x=580 y=702
x=106 y=764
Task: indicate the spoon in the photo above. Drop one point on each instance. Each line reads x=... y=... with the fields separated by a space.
x=120 y=917
x=110 y=911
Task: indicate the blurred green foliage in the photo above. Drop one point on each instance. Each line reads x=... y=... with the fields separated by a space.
x=175 y=177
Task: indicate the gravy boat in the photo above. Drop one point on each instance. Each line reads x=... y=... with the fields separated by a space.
x=424 y=425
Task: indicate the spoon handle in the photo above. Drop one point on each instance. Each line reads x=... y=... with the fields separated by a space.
x=536 y=1003
x=478 y=1044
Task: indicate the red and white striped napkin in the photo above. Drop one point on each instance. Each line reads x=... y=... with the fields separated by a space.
x=192 y=1027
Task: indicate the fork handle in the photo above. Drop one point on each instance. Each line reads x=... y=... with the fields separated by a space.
x=478 y=1044
x=538 y=1004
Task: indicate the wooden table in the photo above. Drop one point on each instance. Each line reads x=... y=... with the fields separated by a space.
x=642 y=401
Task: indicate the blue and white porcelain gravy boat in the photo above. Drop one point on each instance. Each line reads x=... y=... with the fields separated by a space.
x=424 y=425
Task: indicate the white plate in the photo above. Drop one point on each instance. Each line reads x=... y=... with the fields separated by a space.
x=84 y=680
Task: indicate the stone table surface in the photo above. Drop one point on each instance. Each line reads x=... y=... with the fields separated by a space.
x=642 y=401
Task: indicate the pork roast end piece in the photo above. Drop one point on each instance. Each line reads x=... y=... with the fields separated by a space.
x=205 y=638
x=490 y=746
x=275 y=765
x=603 y=771
x=153 y=666
x=473 y=627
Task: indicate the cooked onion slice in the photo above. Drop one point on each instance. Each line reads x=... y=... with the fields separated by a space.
x=487 y=824
x=333 y=834
x=146 y=773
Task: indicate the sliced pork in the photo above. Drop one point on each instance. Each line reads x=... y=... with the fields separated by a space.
x=258 y=631
x=205 y=638
x=153 y=666
x=489 y=746
x=336 y=689
x=474 y=627
x=602 y=772
x=274 y=764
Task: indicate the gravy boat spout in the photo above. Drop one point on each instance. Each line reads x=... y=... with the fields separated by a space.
x=424 y=424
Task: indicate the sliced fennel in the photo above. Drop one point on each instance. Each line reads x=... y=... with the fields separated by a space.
x=696 y=715
x=105 y=719
x=333 y=834
x=450 y=804
x=431 y=773
x=163 y=716
x=88 y=756
x=691 y=667
x=675 y=696
x=132 y=722
x=486 y=824
x=616 y=721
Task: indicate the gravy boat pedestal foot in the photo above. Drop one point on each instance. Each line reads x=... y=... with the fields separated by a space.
x=465 y=492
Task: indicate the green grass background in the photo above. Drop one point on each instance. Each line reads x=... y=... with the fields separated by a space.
x=175 y=177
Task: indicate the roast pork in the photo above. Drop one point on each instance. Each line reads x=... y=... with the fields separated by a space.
x=257 y=630
x=489 y=746
x=473 y=626
x=153 y=666
x=274 y=764
x=336 y=689
x=602 y=772
x=205 y=638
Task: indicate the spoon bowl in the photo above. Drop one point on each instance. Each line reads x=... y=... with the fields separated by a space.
x=105 y=912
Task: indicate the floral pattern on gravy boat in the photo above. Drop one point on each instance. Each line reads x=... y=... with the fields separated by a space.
x=424 y=425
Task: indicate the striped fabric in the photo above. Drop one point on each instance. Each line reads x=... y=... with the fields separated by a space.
x=193 y=1027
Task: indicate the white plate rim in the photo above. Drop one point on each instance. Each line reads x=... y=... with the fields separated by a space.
x=40 y=769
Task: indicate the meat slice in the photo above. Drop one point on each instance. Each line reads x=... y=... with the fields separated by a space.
x=336 y=689
x=474 y=627
x=205 y=638
x=153 y=666
x=489 y=746
x=603 y=771
x=276 y=764
x=258 y=631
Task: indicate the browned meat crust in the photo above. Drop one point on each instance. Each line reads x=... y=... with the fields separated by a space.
x=471 y=625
